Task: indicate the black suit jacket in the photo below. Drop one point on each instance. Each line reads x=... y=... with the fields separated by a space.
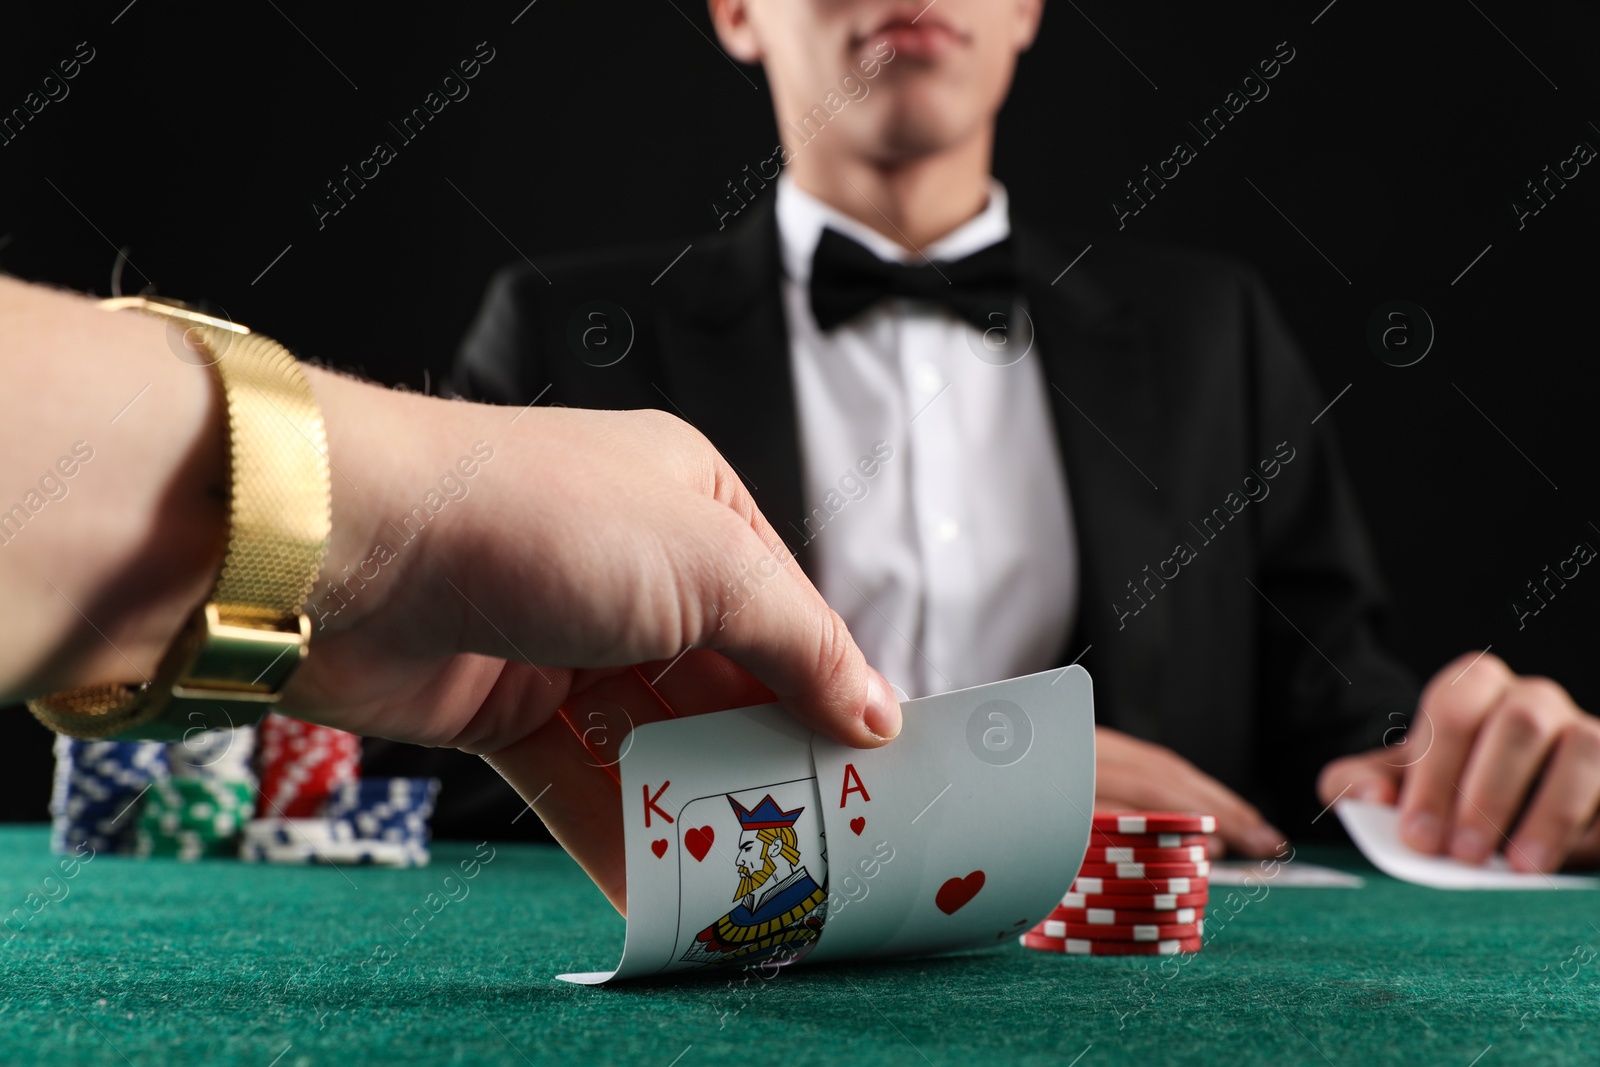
x=1171 y=379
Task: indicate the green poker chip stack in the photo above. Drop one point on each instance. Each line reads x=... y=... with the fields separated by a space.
x=194 y=818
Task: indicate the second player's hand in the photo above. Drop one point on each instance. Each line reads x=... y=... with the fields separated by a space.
x=1493 y=761
x=1135 y=775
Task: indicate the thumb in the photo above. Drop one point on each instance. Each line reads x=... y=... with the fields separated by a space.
x=777 y=627
x=1363 y=777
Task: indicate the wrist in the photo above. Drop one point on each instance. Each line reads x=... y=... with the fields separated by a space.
x=119 y=570
x=380 y=443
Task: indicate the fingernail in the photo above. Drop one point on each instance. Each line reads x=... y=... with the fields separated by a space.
x=1468 y=845
x=1369 y=791
x=1530 y=856
x=1423 y=832
x=882 y=716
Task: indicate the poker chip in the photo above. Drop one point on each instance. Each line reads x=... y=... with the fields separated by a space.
x=1145 y=870
x=391 y=810
x=380 y=821
x=1081 y=947
x=302 y=764
x=1135 y=902
x=96 y=791
x=1124 y=887
x=192 y=818
x=1133 y=932
x=312 y=832
x=383 y=853
x=1133 y=854
x=223 y=755
x=1140 y=891
x=337 y=853
x=194 y=799
x=1125 y=916
x=324 y=840
x=1097 y=839
x=1155 y=822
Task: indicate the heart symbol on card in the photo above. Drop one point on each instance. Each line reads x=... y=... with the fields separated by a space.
x=858 y=824
x=698 y=841
x=955 y=893
x=659 y=847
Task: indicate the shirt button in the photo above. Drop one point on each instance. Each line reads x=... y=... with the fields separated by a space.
x=927 y=378
x=946 y=529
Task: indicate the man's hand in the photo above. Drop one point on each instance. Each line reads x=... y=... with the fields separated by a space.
x=1492 y=761
x=489 y=567
x=581 y=542
x=1135 y=775
x=609 y=565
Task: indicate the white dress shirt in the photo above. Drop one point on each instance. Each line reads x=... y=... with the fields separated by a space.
x=948 y=547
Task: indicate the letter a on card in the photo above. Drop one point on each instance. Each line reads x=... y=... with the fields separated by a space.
x=985 y=798
x=852 y=784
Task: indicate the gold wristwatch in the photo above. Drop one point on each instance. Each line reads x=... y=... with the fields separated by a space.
x=230 y=663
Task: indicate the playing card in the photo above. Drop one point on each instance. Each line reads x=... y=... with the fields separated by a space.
x=750 y=840
x=1375 y=828
x=968 y=828
x=723 y=844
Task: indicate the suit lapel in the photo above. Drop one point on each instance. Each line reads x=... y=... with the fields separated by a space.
x=725 y=360
x=1099 y=375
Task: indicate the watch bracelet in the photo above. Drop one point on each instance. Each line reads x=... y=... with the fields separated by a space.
x=279 y=505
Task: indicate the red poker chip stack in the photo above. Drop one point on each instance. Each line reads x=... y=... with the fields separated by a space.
x=301 y=765
x=1141 y=891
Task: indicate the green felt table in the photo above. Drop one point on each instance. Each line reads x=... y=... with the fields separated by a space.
x=160 y=962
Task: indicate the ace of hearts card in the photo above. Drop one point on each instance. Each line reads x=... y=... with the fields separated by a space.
x=749 y=839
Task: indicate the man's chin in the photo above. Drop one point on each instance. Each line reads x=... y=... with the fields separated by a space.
x=903 y=146
x=913 y=130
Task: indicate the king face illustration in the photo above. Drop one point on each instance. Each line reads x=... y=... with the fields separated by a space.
x=777 y=902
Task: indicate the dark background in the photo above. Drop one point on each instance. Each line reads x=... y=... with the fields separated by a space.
x=1395 y=141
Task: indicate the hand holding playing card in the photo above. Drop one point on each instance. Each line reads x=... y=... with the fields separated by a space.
x=589 y=541
x=1492 y=761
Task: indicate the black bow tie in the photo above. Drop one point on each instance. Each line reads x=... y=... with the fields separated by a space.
x=846 y=279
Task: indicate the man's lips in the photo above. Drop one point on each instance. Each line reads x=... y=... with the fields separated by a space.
x=926 y=35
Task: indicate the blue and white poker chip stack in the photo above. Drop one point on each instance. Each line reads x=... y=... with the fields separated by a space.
x=97 y=786
x=381 y=821
x=313 y=840
x=393 y=812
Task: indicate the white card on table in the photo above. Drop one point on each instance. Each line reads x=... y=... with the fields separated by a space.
x=965 y=830
x=1375 y=828
x=1286 y=874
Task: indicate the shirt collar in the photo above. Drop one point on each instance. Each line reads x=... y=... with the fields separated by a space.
x=802 y=218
